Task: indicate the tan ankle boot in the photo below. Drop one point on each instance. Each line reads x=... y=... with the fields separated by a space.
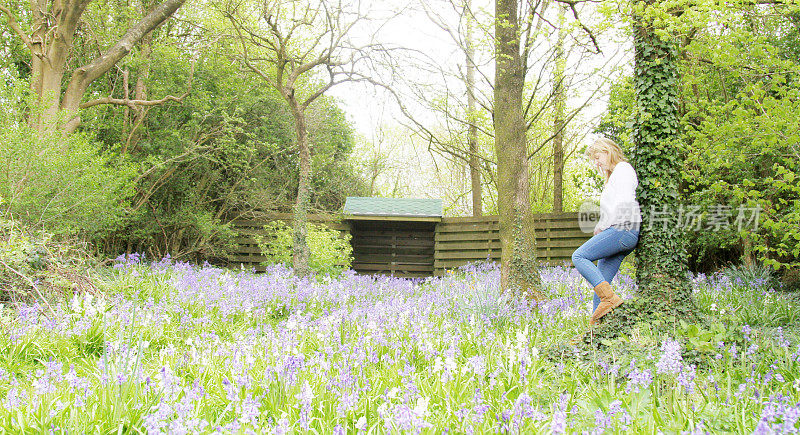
x=608 y=301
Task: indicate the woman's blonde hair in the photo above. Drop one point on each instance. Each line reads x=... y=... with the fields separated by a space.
x=609 y=146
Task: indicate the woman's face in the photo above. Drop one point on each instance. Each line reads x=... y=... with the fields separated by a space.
x=601 y=161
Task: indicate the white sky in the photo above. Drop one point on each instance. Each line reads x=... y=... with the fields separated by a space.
x=371 y=110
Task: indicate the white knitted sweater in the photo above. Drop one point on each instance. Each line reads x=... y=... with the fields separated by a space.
x=618 y=205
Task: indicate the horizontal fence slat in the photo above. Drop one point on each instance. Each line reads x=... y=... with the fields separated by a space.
x=442 y=264
x=495 y=245
x=361 y=239
x=447 y=255
x=564 y=233
x=560 y=224
x=486 y=227
x=469 y=219
x=244 y=240
x=577 y=236
x=558 y=243
x=389 y=267
x=447 y=264
x=556 y=216
x=556 y=252
x=248 y=250
x=246 y=258
x=494 y=226
x=444 y=270
x=468 y=245
x=452 y=237
x=495 y=218
x=399 y=273
x=478 y=256
x=467 y=227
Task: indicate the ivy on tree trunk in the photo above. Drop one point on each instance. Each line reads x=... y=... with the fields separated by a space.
x=661 y=255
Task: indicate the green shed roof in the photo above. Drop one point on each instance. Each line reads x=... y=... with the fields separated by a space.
x=406 y=207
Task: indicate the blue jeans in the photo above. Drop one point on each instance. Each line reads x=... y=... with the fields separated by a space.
x=609 y=247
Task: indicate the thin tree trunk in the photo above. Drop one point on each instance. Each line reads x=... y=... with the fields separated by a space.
x=140 y=93
x=559 y=120
x=300 y=251
x=472 y=134
x=126 y=113
x=518 y=270
x=747 y=246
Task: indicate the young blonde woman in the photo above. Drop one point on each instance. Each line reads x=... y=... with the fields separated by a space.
x=616 y=233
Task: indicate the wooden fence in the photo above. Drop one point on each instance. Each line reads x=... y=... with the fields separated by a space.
x=462 y=240
x=423 y=248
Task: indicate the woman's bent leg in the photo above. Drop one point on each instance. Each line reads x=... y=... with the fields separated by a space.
x=602 y=245
x=606 y=247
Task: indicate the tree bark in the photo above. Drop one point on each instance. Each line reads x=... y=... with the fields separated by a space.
x=661 y=254
x=559 y=120
x=519 y=268
x=50 y=45
x=472 y=133
x=140 y=94
x=300 y=250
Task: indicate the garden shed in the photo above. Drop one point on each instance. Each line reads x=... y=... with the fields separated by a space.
x=393 y=236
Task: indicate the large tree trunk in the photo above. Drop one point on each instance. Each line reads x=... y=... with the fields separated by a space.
x=559 y=120
x=472 y=133
x=54 y=24
x=661 y=255
x=300 y=251
x=50 y=46
x=518 y=270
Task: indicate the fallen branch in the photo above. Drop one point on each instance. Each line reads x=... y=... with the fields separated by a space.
x=35 y=287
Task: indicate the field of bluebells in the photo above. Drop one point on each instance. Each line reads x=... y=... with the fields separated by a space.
x=173 y=348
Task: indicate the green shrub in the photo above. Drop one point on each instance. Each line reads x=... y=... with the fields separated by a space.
x=62 y=183
x=330 y=251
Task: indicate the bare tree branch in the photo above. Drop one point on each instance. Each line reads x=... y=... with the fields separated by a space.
x=572 y=6
x=141 y=103
x=132 y=103
x=14 y=24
